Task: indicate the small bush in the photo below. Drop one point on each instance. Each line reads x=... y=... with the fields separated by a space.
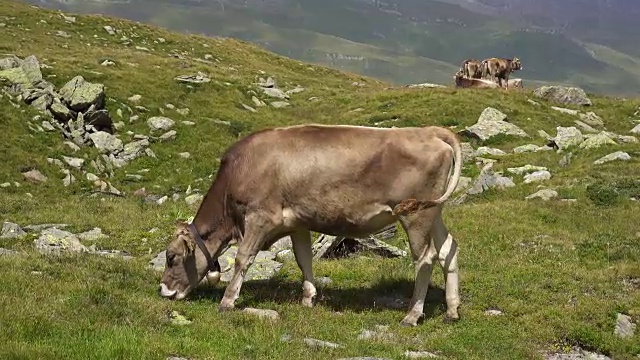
x=603 y=194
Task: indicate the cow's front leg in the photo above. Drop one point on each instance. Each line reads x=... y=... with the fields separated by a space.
x=243 y=261
x=256 y=229
x=447 y=249
x=301 y=241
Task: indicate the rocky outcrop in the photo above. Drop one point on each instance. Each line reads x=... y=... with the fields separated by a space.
x=492 y=122
x=563 y=95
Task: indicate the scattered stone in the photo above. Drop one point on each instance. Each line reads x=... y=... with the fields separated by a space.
x=381 y=333
x=565 y=110
x=425 y=86
x=109 y=30
x=592 y=119
x=108 y=62
x=199 y=78
x=567 y=137
x=635 y=130
x=178 y=319
x=280 y=104
x=563 y=95
x=576 y=353
x=491 y=123
x=263 y=313
x=158 y=262
x=584 y=127
x=135 y=98
x=596 y=141
x=566 y=160
x=484 y=150
x=169 y=135
x=73 y=162
x=537 y=176
x=106 y=143
x=625 y=328
x=188 y=123
x=92 y=235
x=268 y=83
x=264 y=265
x=184 y=155
x=544 y=194
x=7 y=252
x=34 y=176
x=321 y=344
x=193 y=199
x=493 y=312
x=79 y=95
x=55 y=241
x=297 y=89
x=463 y=183
x=257 y=102
x=11 y=231
x=247 y=107
x=160 y=123
x=618 y=155
x=329 y=246
x=525 y=169
x=525 y=148
x=488 y=180
x=183 y=111
x=419 y=354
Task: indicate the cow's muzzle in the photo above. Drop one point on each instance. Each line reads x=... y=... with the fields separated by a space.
x=171 y=294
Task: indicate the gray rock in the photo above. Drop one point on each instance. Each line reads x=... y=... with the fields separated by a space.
x=297 y=89
x=79 y=95
x=135 y=98
x=463 y=183
x=92 y=235
x=73 y=162
x=585 y=127
x=491 y=123
x=525 y=169
x=257 y=102
x=567 y=137
x=419 y=354
x=380 y=333
x=247 y=107
x=169 y=135
x=264 y=266
x=544 y=194
x=592 y=119
x=618 y=155
x=106 y=143
x=565 y=110
x=282 y=244
x=596 y=141
x=7 y=252
x=566 y=160
x=321 y=344
x=488 y=180
x=183 y=111
x=109 y=30
x=262 y=313
x=268 y=83
x=625 y=328
x=56 y=241
x=199 y=78
x=468 y=153
x=537 y=176
x=563 y=95
x=34 y=176
x=280 y=104
x=525 y=148
x=160 y=123
x=158 y=263
x=493 y=312
x=60 y=111
x=328 y=246
x=193 y=199
x=184 y=155
x=635 y=130
x=484 y=150
x=576 y=354
x=11 y=231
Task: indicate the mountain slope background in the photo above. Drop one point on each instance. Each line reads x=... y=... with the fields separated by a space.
x=590 y=44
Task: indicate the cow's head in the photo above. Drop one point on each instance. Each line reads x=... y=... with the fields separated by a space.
x=458 y=74
x=516 y=64
x=186 y=264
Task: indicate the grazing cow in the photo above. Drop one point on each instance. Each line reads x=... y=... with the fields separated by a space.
x=499 y=68
x=472 y=68
x=339 y=180
x=464 y=82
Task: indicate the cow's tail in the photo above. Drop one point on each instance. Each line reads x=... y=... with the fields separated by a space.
x=412 y=205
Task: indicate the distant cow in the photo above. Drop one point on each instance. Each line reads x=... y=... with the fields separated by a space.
x=464 y=82
x=499 y=68
x=339 y=180
x=472 y=68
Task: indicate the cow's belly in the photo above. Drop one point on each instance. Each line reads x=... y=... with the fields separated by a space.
x=358 y=222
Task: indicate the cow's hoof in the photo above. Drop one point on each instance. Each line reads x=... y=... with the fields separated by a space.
x=448 y=319
x=225 y=308
x=409 y=322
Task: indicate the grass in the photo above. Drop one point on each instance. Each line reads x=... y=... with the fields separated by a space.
x=556 y=269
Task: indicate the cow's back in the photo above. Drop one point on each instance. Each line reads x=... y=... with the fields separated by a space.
x=331 y=176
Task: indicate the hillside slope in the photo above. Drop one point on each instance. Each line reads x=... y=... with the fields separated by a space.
x=561 y=272
x=403 y=42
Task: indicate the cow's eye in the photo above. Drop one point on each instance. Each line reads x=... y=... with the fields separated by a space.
x=170 y=259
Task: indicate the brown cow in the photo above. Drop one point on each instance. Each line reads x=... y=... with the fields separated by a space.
x=499 y=68
x=472 y=68
x=340 y=180
x=464 y=82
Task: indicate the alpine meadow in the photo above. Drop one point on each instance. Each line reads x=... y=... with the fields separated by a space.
x=113 y=130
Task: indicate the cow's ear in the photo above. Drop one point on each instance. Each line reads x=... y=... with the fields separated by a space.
x=189 y=244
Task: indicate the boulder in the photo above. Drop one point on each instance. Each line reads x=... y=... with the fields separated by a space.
x=492 y=122
x=563 y=95
x=79 y=94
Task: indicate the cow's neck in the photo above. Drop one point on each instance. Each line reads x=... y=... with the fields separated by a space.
x=212 y=221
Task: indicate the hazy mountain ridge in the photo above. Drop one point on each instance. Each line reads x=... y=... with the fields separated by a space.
x=408 y=34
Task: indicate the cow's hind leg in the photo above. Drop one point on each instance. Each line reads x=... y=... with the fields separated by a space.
x=301 y=241
x=447 y=254
x=418 y=228
x=257 y=227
